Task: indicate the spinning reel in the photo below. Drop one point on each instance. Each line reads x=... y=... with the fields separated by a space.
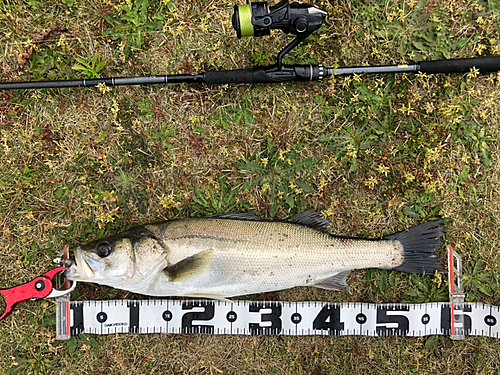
x=258 y=19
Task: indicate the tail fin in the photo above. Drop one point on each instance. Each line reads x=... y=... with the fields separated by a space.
x=420 y=244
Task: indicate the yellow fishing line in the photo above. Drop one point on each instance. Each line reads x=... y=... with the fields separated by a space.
x=246 y=26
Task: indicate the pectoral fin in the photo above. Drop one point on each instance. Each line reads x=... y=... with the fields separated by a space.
x=189 y=267
x=335 y=282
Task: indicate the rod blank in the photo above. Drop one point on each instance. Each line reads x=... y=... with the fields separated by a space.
x=272 y=74
x=383 y=69
x=118 y=81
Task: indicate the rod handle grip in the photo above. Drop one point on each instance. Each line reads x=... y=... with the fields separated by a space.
x=229 y=76
x=267 y=74
x=483 y=64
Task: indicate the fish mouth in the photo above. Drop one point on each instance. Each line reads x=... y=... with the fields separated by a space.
x=84 y=267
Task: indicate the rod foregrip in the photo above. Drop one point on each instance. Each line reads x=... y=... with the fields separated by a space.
x=229 y=76
x=269 y=74
x=483 y=64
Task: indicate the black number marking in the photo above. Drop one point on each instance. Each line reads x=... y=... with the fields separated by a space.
x=274 y=317
x=206 y=315
x=490 y=320
x=329 y=319
x=102 y=317
x=167 y=315
x=296 y=318
x=426 y=319
x=361 y=318
x=231 y=316
x=401 y=320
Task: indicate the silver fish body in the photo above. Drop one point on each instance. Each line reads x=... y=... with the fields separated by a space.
x=230 y=255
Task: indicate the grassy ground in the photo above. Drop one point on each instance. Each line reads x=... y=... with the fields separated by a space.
x=374 y=154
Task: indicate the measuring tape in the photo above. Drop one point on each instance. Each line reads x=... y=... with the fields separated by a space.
x=278 y=318
x=456 y=319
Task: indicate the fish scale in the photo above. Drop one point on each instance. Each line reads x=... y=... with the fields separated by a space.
x=236 y=254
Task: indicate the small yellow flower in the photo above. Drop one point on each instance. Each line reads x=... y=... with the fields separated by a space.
x=103 y=89
x=167 y=201
x=438 y=278
x=108 y=196
x=347 y=82
x=409 y=177
x=62 y=42
x=371 y=182
x=407 y=110
x=480 y=48
x=351 y=151
x=474 y=72
x=115 y=108
x=429 y=107
x=383 y=169
x=431 y=155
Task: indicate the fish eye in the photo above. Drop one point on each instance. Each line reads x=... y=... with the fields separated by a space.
x=103 y=249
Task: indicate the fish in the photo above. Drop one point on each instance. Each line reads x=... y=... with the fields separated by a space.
x=228 y=255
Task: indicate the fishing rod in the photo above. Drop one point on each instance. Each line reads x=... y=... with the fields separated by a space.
x=258 y=19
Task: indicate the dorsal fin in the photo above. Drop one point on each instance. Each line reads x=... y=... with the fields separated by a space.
x=237 y=216
x=310 y=218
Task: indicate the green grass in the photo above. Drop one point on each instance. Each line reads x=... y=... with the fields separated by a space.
x=375 y=154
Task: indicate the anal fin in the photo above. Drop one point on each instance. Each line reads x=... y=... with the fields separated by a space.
x=335 y=282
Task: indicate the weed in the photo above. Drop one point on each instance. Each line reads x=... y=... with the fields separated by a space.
x=145 y=107
x=479 y=282
x=90 y=68
x=134 y=24
x=217 y=200
x=423 y=291
x=281 y=175
x=39 y=360
x=476 y=135
x=49 y=64
x=425 y=209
